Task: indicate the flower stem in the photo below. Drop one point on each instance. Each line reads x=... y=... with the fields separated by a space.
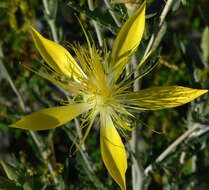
x=137 y=171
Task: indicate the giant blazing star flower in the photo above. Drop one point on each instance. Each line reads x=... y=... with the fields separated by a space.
x=102 y=91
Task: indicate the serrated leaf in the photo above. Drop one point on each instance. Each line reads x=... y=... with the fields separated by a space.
x=103 y=19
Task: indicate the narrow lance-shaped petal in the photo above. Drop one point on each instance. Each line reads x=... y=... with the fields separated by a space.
x=161 y=97
x=51 y=117
x=129 y=36
x=112 y=150
x=56 y=56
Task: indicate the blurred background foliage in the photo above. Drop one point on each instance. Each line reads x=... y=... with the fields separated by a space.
x=41 y=160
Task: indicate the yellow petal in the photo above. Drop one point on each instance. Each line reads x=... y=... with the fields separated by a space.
x=130 y=35
x=161 y=97
x=113 y=151
x=56 y=56
x=51 y=117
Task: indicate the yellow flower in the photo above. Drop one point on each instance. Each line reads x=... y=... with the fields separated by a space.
x=102 y=91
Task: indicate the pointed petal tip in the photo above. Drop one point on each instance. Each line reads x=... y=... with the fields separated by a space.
x=31 y=28
x=56 y=56
x=155 y=98
x=34 y=32
x=50 y=118
x=129 y=36
x=113 y=151
x=204 y=91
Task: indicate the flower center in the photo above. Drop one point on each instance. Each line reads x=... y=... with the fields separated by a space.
x=99 y=100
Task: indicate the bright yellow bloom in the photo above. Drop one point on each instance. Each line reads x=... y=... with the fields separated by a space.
x=102 y=91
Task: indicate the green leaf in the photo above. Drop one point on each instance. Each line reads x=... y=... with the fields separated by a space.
x=6 y=184
x=205 y=43
x=189 y=166
x=103 y=19
x=11 y=171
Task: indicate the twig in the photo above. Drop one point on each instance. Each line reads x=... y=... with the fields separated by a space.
x=165 y=11
x=114 y=16
x=172 y=146
x=162 y=18
x=46 y=7
x=137 y=171
x=96 y=26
